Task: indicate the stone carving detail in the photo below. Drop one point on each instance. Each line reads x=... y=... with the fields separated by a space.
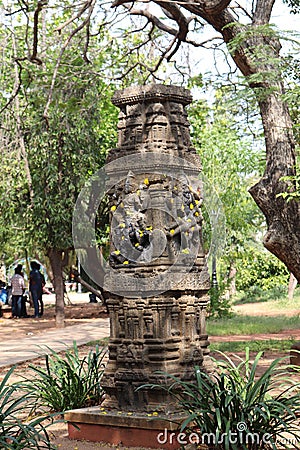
x=155 y=218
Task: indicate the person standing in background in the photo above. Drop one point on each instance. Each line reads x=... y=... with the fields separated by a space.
x=36 y=283
x=18 y=289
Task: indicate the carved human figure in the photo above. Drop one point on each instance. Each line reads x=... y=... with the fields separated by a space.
x=130 y=232
x=185 y=206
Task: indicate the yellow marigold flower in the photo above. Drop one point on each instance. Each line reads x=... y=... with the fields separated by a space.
x=126 y=262
x=117 y=252
x=186 y=251
x=122 y=225
x=172 y=231
x=191 y=206
x=113 y=208
x=146 y=181
x=196 y=214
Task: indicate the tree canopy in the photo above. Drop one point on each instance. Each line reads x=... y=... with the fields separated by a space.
x=60 y=64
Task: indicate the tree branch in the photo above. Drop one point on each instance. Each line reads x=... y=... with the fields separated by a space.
x=33 y=57
x=176 y=14
x=263 y=11
x=19 y=127
x=153 y=19
x=17 y=86
x=74 y=17
x=65 y=45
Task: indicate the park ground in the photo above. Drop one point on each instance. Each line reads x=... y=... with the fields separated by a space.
x=80 y=311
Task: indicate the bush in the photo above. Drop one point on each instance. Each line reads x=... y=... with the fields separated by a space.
x=16 y=431
x=260 y=269
x=256 y=294
x=67 y=382
x=219 y=306
x=236 y=409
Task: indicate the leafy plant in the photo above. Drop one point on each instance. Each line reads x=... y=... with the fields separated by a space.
x=258 y=268
x=236 y=408
x=67 y=382
x=16 y=431
x=219 y=306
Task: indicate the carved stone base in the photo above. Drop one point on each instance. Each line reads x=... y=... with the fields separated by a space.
x=131 y=429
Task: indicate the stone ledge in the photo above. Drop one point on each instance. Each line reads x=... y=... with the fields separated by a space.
x=99 y=415
x=130 y=429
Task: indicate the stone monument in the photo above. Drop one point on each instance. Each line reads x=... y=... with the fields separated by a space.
x=156 y=280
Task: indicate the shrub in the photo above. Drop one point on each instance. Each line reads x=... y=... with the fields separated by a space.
x=256 y=294
x=219 y=306
x=261 y=269
x=16 y=430
x=67 y=382
x=237 y=409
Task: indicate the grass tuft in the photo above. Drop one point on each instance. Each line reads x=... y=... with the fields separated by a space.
x=240 y=324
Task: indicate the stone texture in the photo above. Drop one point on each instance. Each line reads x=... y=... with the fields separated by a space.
x=158 y=281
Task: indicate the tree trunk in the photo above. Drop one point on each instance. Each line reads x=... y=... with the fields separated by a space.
x=283 y=218
x=56 y=261
x=292 y=287
x=232 y=278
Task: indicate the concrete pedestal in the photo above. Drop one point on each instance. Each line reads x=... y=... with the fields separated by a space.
x=130 y=429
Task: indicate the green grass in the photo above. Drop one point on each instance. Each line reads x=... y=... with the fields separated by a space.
x=271 y=345
x=239 y=324
x=103 y=342
x=273 y=300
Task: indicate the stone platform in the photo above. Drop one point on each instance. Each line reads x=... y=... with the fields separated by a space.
x=131 y=429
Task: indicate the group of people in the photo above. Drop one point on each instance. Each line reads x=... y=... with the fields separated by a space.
x=36 y=285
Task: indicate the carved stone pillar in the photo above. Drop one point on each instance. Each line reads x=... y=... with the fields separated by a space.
x=157 y=283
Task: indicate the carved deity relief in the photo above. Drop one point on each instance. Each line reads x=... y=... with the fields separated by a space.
x=131 y=225
x=130 y=232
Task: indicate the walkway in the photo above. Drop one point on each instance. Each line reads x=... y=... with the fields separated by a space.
x=31 y=347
